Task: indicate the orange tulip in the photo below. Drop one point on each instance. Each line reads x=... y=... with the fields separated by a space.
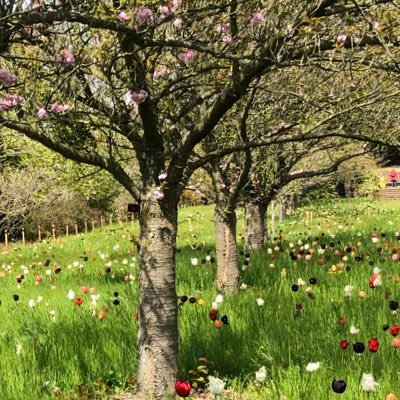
x=391 y=396
x=102 y=315
x=396 y=343
x=218 y=324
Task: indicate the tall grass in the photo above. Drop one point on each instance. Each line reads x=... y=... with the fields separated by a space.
x=58 y=348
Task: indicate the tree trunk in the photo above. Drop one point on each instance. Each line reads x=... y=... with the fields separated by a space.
x=227 y=265
x=158 y=331
x=255 y=229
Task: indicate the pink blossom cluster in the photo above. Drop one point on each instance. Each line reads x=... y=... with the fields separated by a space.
x=158 y=193
x=6 y=78
x=42 y=113
x=161 y=72
x=165 y=11
x=65 y=57
x=341 y=39
x=10 y=101
x=145 y=14
x=176 y=4
x=59 y=107
x=123 y=16
x=187 y=56
x=257 y=19
x=223 y=27
x=136 y=96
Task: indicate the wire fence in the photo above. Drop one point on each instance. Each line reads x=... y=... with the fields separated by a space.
x=56 y=230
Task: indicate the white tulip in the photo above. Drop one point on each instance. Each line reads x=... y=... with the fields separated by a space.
x=347 y=290
x=312 y=367
x=260 y=301
x=368 y=383
x=215 y=385
x=261 y=374
x=194 y=261
x=354 y=330
x=219 y=299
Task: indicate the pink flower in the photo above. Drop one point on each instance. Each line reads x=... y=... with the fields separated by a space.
x=68 y=57
x=162 y=176
x=10 y=101
x=227 y=38
x=341 y=39
x=138 y=96
x=257 y=19
x=165 y=11
x=65 y=57
x=6 y=78
x=42 y=113
x=159 y=193
x=145 y=15
x=123 y=16
x=36 y=7
x=177 y=22
x=187 y=56
x=161 y=72
x=6 y=105
x=176 y=4
x=58 y=107
x=223 y=27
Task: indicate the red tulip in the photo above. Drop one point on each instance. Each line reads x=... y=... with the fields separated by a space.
x=78 y=301
x=394 y=330
x=213 y=315
x=373 y=345
x=182 y=388
x=344 y=344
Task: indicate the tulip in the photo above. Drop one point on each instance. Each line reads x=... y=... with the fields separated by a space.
x=339 y=386
x=368 y=383
x=215 y=386
x=396 y=343
x=182 y=388
x=261 y=374
x=312 y=367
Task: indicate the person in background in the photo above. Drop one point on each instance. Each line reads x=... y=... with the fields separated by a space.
x=393 y=177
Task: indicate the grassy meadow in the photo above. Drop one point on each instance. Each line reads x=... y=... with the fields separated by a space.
x=68 y=309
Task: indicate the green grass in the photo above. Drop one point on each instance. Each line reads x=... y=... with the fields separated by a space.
x=83 y=357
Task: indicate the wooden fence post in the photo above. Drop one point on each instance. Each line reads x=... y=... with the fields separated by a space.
x=23 y=235
x=86 y=227
x=102 y=221
x=76 y=228
x=39 y=233
x=273 y=217
x=66 y=230
x=6 y=237
x=111 y=219
x=53 y=228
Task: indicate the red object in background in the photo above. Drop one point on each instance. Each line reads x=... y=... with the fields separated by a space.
x=213 y=315
x=344 y=344
x=182 y=388
x=394 y=330
x=78 y=301
x=373 y=345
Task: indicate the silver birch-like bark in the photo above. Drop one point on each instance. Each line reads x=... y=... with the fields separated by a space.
x=226 y=250
x=158 y=331
x=255 y=229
